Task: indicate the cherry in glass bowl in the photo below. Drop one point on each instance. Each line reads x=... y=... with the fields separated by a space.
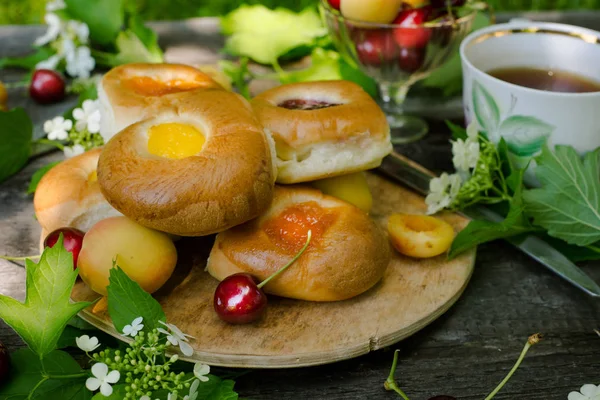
x=397 y=55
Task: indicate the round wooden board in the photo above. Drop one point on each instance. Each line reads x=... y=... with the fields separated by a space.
x=293 y=333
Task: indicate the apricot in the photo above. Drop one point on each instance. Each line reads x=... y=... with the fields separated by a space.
x=420 y=236
x=145 y=255
x=352 y=188
x=378 y=11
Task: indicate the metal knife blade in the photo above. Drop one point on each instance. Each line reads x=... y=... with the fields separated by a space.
x=416 y=177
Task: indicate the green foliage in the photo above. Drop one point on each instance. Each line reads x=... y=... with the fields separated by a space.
x=47 y=308
x=104 y=17
x=127 y=301
x=38 y=175
x=16 y=131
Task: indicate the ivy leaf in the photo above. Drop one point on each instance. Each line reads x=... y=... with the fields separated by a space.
x=27 y=371
x=28 y=61
x=103 y=17
x=568 y=203
x=480 y=231
x=127 y=301
x=42 y=318
x=264 y=35
x=38 y=175
x=16 y=131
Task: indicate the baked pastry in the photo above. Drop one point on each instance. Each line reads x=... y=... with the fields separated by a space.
x=323 y=129
x=347 y=255
x=69 y=195
x=199 y=167
x=132 y=92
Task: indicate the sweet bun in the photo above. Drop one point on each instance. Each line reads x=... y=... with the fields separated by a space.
x=323 y=129
x=69 y=195
x=347 y=255
x=201 y=166
x=132 y=92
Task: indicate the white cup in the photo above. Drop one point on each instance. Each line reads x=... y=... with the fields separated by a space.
x=528 y=118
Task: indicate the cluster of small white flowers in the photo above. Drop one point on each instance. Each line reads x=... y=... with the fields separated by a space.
x=587 y=392
x=465 y=154
x=86 y=127
x=70 y=40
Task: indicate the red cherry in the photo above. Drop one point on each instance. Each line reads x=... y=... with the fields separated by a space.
x=335 y=4
x=375 y=47
x=47 y=87
x=409 y=34
x=411 y=60
x=238 y=300
x=72 y=241
x=4 y=363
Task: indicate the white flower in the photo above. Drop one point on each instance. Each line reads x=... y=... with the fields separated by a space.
x=177 y=338
x=73 y=151
x=88 y=116
x=201 y=370
x=49 y=63
x=172 y=396
x=80 y=63
x=472 y=131
x=587 y=392
x=87 y=343
x=442 y=192
x=146 y=398
x=79 y=29
x=465 y=154
x=133 y=329
x=55 y=5
x=66 y=47
x=102 y=379
x=54 y=29
x=193 y=391
x=58 y=128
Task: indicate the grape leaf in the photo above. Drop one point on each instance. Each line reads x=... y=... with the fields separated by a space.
x=127 y=301
x=38 y=175
x=16 y=131
x=479 y=231
x=568 y=203
x=42 y=318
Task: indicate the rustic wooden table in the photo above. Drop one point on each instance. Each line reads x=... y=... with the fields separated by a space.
x=465 y=353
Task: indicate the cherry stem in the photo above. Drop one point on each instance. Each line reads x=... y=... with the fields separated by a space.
x=297 y=256
x=390 y=382
x=9 y=258
x=533 y=339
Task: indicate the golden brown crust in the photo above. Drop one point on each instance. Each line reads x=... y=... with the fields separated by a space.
x=69 y=195
x=228 y=182
x=351 y=136
x=345 y=260
x=122 y=105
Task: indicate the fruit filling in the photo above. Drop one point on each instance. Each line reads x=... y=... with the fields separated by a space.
x=174 y=140
x=93 y=177
x=290 y=228
x=305 y=104
x=148 y=86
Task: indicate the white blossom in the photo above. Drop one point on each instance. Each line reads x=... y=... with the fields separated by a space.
x=177 y=338
x=144 y=397
x=58 y=128
x=73 y=151
x=133 y=329
x=102 y=379
x=472 y=131
x=49 y=63
x=80 y=62
x=465 y=154
x=442 y=192
x=587 y=392
x=55 y=27
x=193 y=391
x=79 y=29
x=172 y=396
x=87 y=343
x=201 y=370
x=55 y=5
x=88 y=116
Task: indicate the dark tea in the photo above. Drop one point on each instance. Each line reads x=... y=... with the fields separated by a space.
x=549 y=80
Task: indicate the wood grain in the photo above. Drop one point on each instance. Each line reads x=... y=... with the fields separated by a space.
x=295 y=333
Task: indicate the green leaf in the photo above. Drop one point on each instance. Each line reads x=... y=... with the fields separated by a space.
x=90 y=92
x=506 y=165
x=16 y=131
x=479 y=231
x=568 y=203
x=37 y=176
x=28 y=61
x=239 y=75
x=524 y=135
x=217 y=389
x=146 y=35
x=486 y=109
x=325 y=66
x=264 y=35
x=130 y=49
x=103 y=17
x=458 y=132
x=77 y=322
x=42 y=318
x=27 y=371
x=127 y=301
x=572 y=252
x=118 y=393
x=355 y=75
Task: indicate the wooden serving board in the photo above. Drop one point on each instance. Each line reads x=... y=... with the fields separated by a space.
x=294 y=333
